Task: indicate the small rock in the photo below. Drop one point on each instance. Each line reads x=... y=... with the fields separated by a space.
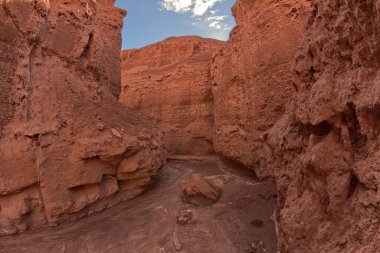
x=177 y=244
x=342 y=242
x=115 y=132
x=258 y=246
x=184 y=217
x=162 y=250
x=100 y=126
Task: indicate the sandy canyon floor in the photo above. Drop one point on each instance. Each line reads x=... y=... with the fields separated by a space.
x=239 y=222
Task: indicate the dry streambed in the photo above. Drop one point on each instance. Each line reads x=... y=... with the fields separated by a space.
x=162 y=221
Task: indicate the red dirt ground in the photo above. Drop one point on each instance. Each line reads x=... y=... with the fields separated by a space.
x=239 y=222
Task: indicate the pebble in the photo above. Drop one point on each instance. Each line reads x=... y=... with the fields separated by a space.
x=184 y=217
x=177 y=243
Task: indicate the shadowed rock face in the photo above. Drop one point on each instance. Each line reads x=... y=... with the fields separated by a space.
x=169 y=84
x=316 y=132
x=251 y=75
x=325 y=151
x=67 y=147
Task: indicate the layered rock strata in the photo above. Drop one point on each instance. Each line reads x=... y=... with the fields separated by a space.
x=251 y=75
x=68 y=148
x=169 y=84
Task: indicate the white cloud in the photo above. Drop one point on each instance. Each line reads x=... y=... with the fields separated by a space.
x=216 y=18
x=179 y=6
x=215 y=24
x=204 y=13
x=196 y=7
x=201 y=6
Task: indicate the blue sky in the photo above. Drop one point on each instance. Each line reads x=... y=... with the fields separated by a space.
x=149 y=21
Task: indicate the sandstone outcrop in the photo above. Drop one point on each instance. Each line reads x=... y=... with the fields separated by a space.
x=169 y=84
x=251 y=75
x=314 y=129
x=68 y=148
x=325 y=150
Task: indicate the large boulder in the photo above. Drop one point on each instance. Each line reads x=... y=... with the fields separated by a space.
x=200 y=191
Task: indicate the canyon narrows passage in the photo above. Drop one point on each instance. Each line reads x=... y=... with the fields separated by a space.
x=292 y=97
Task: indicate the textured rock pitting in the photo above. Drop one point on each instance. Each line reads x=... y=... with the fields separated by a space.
x=315 y=132
x=325 y=150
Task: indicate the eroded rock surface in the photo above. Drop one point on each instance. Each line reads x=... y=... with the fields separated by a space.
x=67 y=147
x=325 y=151
x=314 y=129
x=251 y=75
x=200 y=191
x=169 y=84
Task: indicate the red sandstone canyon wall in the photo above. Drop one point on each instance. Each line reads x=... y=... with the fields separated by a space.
x=68 y=148
x=169 y=84
x=325 y=150
x=314 y=129
x=294 y=95
x=251 y=75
